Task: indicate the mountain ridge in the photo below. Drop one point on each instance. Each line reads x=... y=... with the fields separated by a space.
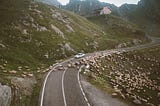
x=145 y=13
x=34 y=36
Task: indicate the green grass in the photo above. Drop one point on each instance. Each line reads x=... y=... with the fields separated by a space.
x=118 y=28
x=146 y=59
x=29 y=49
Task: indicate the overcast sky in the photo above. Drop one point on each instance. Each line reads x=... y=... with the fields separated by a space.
x=116 y=2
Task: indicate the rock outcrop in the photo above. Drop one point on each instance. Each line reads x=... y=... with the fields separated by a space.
x=58 y=31
x=5 y=95
x=23 y=85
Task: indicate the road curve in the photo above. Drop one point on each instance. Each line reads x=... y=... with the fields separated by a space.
x=63 y=88
x=73 y=93
x=53 y=90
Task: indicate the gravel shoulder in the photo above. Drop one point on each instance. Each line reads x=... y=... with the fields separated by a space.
x=99 y=98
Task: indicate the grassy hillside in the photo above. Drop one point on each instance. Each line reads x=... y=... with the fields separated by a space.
x=33 y=36
x=34 y=33
x=118 y=28
x=131 y=76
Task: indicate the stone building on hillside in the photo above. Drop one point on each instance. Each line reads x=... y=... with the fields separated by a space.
x=102 y=11
x=105 y=10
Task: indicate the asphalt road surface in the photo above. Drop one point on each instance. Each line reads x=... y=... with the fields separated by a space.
x=53 y=91
x=62 y=87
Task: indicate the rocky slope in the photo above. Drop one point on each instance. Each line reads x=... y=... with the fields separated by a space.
x=131 y=76
x=34 y=33
x=33 y=36
x=145 y=13
x=119 y=29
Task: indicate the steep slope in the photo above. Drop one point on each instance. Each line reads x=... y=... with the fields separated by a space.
x=132 y=76
x=145 y=13
x=148 y=10
x=33 y=32
x=33 y=36
x=126 y=9
x=120 y=29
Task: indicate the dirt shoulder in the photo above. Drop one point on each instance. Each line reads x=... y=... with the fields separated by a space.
x=99 y=98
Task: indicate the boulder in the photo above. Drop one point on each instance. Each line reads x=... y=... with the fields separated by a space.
x=25 y=32
x=69 y=28
x=137 y=102
x=57 y=30
x=2 y=46
x=5 y=95
x=67 y=47
x=42 y=28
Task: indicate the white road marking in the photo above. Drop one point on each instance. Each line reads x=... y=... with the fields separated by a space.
x=84 y=95
x=128 y=49
x=45 y=81
x=64 y=97
x=44 y=85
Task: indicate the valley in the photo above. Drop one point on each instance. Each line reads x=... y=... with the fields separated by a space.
x=35 y=37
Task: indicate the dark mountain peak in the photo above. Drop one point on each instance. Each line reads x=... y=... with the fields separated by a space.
x=87 y=7
x=146 y=13
x=73 y=1
x=127 y=7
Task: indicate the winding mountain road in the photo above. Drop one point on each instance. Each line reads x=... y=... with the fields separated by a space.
x=62 y=86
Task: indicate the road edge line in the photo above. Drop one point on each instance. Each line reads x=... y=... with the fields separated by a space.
x=64 y=98
x=44 y=85
x=80 y=85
